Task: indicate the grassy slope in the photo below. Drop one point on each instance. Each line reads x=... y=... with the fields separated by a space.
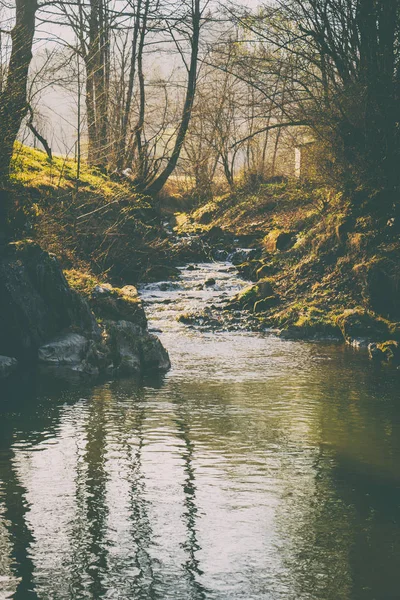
x=339 y=261
x=99 y=226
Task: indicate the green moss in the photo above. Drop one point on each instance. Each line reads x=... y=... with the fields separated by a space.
x=81 y=282
x=32 y=168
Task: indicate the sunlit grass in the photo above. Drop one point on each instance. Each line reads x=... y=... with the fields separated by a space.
x=33 y=169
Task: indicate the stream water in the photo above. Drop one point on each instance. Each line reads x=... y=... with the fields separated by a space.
x=258 y=468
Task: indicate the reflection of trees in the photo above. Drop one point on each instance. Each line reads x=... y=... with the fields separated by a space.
x=192 y=565
x=23 y=420
x=142 y=584
x=89 y=560
x=129 y=421
x=331 y=435
x=21 y=538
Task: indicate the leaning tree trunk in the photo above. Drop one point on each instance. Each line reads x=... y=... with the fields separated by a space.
x=13 y=104
x=13 y=99
x=158 y=184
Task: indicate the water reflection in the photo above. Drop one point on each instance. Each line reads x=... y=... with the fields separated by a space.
x=258 y=469
x=192 y=564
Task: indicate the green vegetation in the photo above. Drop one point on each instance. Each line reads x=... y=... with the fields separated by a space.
x=94 y=225
x=324 y=260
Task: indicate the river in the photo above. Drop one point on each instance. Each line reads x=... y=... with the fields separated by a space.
x=257 y=468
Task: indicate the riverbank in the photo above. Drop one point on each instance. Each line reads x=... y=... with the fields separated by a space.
x=321 y=270
x=92 y=222
x=48 y=325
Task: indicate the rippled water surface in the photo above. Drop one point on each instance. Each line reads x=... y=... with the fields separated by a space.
x=256 y=469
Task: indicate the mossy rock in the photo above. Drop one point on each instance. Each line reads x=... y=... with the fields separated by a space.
x=118 y=304
x=388 y=352
x=250 y=295
x=310 y=322
x=266 y=304
x=359 y=326
x=391 y=351
x=278 y=240
x=249 y=269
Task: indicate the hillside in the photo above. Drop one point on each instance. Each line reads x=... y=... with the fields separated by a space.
x=97 y=224
x=323 y=259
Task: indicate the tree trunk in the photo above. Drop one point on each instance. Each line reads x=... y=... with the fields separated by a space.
x=158 y=184
x=141 y=166
x=13 y=104
x=13 y=100
x=121 y=158
x=96 y=85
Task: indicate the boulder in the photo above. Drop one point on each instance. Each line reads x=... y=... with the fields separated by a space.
x=154 y=355
x=361 y=328
x=248 y=297
x=386 y=352
x=7 y=366
x=36 y=302
x=118 y=304
x=280 y=240
x=123 y=339
x=210 y=282
x=42 y=318
x=133 y=349
x=70 y=350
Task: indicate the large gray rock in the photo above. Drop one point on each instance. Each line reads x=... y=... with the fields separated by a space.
x=42 y=318
x=154 y=355
x=7 y=366
x=36 y=302
x=133 y=349
x=70 y=350
x=123 y=339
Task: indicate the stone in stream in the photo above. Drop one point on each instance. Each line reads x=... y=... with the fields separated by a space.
x=386 y=352
x=70 y=350
x=134 y=350
x=210 y=282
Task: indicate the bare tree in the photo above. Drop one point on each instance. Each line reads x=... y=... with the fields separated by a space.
x=192 y=31
x=13 y=98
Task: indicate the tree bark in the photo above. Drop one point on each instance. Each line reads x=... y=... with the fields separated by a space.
x=13 y=100
x=160 y=181
x=96 y=85
x=128 y=102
